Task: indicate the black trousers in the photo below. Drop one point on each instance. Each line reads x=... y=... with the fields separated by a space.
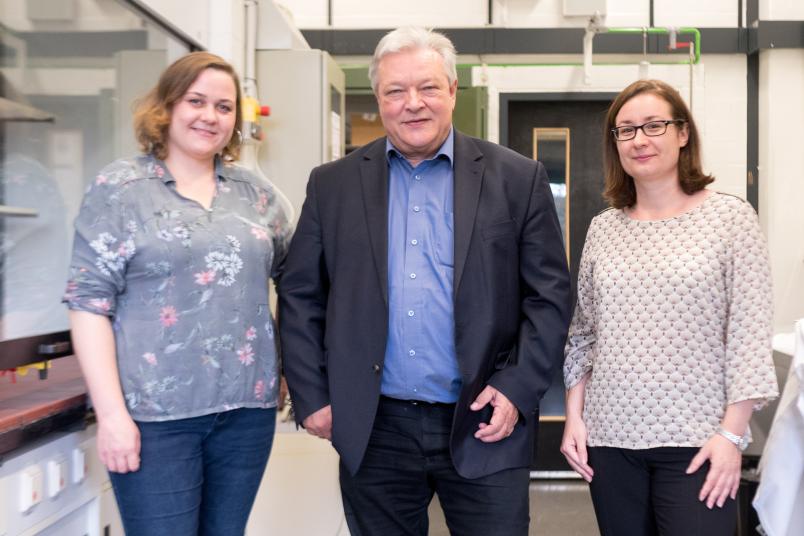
x=407 y=461
x=647 y=493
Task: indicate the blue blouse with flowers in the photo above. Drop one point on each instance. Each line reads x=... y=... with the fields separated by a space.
x=185 y=286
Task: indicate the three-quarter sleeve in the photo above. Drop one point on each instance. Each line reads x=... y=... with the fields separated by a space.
x=580 y=347
x=102 y=247
x=750 y=372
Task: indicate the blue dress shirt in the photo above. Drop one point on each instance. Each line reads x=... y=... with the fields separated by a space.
x=420 y=362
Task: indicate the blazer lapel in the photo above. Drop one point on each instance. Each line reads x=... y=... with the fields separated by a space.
x=374 y=179
x=468 y=174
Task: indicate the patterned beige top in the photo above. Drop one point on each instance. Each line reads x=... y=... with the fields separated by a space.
x=674 y=321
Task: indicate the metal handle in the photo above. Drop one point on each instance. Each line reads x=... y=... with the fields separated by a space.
x=63 y=347
x=18 y=212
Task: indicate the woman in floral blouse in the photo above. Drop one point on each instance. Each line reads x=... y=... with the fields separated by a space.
x=669 y=348
x=168 y=298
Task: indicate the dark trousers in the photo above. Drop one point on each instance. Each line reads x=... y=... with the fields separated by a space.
x=198 y=476
x=407 y=461
x=647 y=493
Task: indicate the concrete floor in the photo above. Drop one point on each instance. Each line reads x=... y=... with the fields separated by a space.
x=557 y=508
x=303 y=471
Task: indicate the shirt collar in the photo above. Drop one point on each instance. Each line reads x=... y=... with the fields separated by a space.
x=156 y=169
x=447 y=149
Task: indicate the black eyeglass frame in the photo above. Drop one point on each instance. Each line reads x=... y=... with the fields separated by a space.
x=665 y=122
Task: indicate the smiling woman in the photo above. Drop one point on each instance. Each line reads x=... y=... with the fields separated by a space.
x=175 y=248
x=203 y=119
x=199 y=71
x=669 y=348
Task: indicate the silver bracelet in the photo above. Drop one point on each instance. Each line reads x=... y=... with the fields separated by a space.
x=741 y=442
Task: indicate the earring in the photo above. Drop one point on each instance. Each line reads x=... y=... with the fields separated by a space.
x=239 y=136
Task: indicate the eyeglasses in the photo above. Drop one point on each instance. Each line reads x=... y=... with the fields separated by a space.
x=651 y=128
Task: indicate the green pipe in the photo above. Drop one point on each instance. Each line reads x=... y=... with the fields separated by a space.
x=664 y=31
x=694 y=31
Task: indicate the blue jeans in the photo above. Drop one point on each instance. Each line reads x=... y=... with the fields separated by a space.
x=198 y=476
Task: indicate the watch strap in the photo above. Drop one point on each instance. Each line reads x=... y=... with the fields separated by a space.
x=741 y=442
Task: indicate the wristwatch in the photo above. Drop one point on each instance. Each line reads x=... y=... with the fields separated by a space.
x=741 y=442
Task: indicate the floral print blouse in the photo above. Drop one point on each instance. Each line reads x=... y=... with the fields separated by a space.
x=186 y=287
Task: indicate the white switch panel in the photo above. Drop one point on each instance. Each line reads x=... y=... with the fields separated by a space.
x=79 y=465
x=56 y=476
x=30 y=488
x=584 y=8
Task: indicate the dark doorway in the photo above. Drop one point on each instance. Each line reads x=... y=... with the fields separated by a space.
x=582 y=115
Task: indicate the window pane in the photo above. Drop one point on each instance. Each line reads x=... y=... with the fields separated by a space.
x=69 y=72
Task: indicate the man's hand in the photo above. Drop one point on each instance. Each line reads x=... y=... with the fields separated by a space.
x=503 y=418
x=723 y=479
x=319 y=423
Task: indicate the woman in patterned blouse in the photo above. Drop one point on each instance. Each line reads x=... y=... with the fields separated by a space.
x=669 y=348
x=168 y=298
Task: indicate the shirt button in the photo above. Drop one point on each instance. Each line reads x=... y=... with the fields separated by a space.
x=411 y=313
x=416 y=209
x=415 y=390
x=414 y=242
x=418 y=177
x=411 y=352
x=413 y=276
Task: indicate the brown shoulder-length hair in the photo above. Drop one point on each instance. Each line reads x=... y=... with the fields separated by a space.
x=153 y=111
x=620 y=191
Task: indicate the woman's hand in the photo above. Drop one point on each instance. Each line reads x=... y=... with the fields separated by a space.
x=119 y=443
x=573 y=447
x=723 y=479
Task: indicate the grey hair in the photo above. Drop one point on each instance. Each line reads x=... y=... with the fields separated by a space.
x=412 y=38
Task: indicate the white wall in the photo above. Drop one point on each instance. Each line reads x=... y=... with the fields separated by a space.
x=387 y=14
x=549 y=14
x=721 y=119
x=781 y=177
x=781 y=10
x=513 y=13
x=696 y=13
x=719 y=89
x=227 y=35
x=306 y=13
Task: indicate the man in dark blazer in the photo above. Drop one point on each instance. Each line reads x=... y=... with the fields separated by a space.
x=423 y=308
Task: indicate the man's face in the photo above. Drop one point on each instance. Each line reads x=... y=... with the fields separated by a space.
x=416 y=101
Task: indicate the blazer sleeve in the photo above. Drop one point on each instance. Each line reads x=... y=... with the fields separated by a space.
x=303 y=291
x=545 y=302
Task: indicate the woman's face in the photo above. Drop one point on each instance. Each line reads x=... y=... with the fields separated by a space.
x=650 y=158
x=203 y=119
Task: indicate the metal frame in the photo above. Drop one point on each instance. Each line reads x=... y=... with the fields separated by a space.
x=752 y=131
x=566 y=136
x=143 y=9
